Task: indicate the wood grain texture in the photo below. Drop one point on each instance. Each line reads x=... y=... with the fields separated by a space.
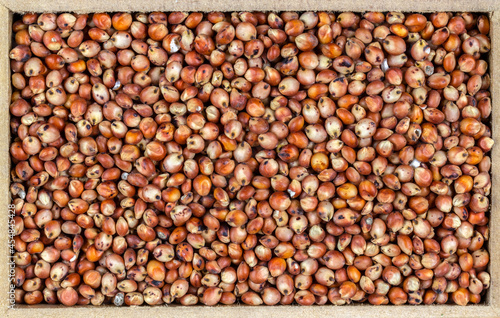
x=240 y=311
x=5 y=92
x=494 y=64
x=247 y=5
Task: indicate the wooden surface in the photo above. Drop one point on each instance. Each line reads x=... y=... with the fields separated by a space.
x=245 y=5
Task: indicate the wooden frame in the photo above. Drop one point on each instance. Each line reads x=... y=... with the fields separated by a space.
x=491 y=308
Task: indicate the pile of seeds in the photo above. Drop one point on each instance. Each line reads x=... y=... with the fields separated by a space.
x=256 y=158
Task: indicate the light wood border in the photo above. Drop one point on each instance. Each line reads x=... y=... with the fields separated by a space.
x=7 y=7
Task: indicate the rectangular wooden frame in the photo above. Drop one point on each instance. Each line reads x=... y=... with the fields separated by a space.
x=491 y=307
